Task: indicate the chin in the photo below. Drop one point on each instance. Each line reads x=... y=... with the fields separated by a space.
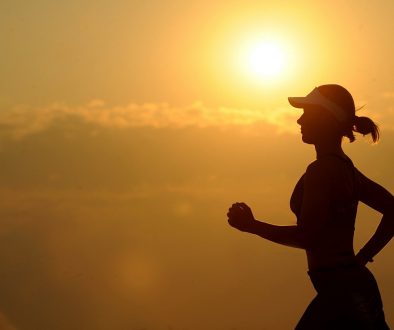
x=307 y=139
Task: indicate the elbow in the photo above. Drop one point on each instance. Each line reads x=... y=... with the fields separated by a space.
x=389 y=212
x=389 y=208
x=387 y=222
x=388 y=217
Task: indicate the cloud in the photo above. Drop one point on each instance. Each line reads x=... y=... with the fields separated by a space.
x=22 y=121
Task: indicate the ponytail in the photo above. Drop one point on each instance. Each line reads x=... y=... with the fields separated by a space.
x=365 y=125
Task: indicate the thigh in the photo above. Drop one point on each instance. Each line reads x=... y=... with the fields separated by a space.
x=349 y=300
x=365 y=310
x=363 y=303
x=318 y=315
x=335 y=312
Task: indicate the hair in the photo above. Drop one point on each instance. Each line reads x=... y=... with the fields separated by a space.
x=364 y=126
x=344 y=99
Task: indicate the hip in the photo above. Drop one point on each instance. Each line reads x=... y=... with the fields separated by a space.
x=347 y=298
x=344 y=279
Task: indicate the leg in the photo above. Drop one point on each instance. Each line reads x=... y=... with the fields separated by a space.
x=347 y=300
x=366 y=311
x=316 y=316
x=365 y=304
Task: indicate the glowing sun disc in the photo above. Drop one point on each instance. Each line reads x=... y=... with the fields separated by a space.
x=264 y=59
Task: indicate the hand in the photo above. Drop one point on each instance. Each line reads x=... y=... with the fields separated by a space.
x=240 y=216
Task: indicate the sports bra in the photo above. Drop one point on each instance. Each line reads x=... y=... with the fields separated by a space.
x=342 y=212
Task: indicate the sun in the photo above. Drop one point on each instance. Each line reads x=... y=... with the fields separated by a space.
x=264 y=60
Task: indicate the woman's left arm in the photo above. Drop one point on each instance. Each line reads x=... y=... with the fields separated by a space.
x=286 y=235
x=314 y=213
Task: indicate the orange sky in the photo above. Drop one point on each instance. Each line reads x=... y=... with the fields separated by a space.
x=127 y=130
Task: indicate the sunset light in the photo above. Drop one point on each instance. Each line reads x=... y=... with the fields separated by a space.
x=264 y=60
x=129 y=129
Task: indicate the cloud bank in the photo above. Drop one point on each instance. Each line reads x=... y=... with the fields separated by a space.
x=21 y=121
x=24 y=120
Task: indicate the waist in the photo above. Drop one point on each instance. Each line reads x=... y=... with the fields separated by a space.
x=322 y=269
x=342 y=278
x=331 y=258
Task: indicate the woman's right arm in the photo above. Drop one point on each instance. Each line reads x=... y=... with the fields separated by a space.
x=381 y=200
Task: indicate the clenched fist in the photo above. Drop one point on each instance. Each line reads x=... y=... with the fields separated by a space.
x=240 y=216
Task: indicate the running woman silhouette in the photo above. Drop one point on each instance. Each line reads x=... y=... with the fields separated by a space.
x=325 y=201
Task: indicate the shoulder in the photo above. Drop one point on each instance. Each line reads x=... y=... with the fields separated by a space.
x=323 y=168
x=327 y=175
x=318 y=178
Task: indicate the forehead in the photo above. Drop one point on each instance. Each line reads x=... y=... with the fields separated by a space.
x=317 y=113
x=311 y=109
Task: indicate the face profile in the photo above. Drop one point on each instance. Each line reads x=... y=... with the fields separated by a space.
x=318 y=125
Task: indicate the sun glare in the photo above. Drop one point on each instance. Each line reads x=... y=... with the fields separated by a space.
x=264 y=60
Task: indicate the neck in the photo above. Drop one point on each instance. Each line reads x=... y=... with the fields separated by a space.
x=329 y=147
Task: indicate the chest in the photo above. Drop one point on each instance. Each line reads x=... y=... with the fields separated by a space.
x=343 y=197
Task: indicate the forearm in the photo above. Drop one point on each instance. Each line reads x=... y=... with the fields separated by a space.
x=286 y=235
x=384 y=233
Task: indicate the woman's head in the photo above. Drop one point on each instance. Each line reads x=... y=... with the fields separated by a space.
x=329 y=110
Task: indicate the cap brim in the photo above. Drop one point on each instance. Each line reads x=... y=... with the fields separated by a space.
x=297 y=102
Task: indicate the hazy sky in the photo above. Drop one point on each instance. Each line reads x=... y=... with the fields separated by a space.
x=127 y=130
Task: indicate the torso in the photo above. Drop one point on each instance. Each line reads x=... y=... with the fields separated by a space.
x=335 y=248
